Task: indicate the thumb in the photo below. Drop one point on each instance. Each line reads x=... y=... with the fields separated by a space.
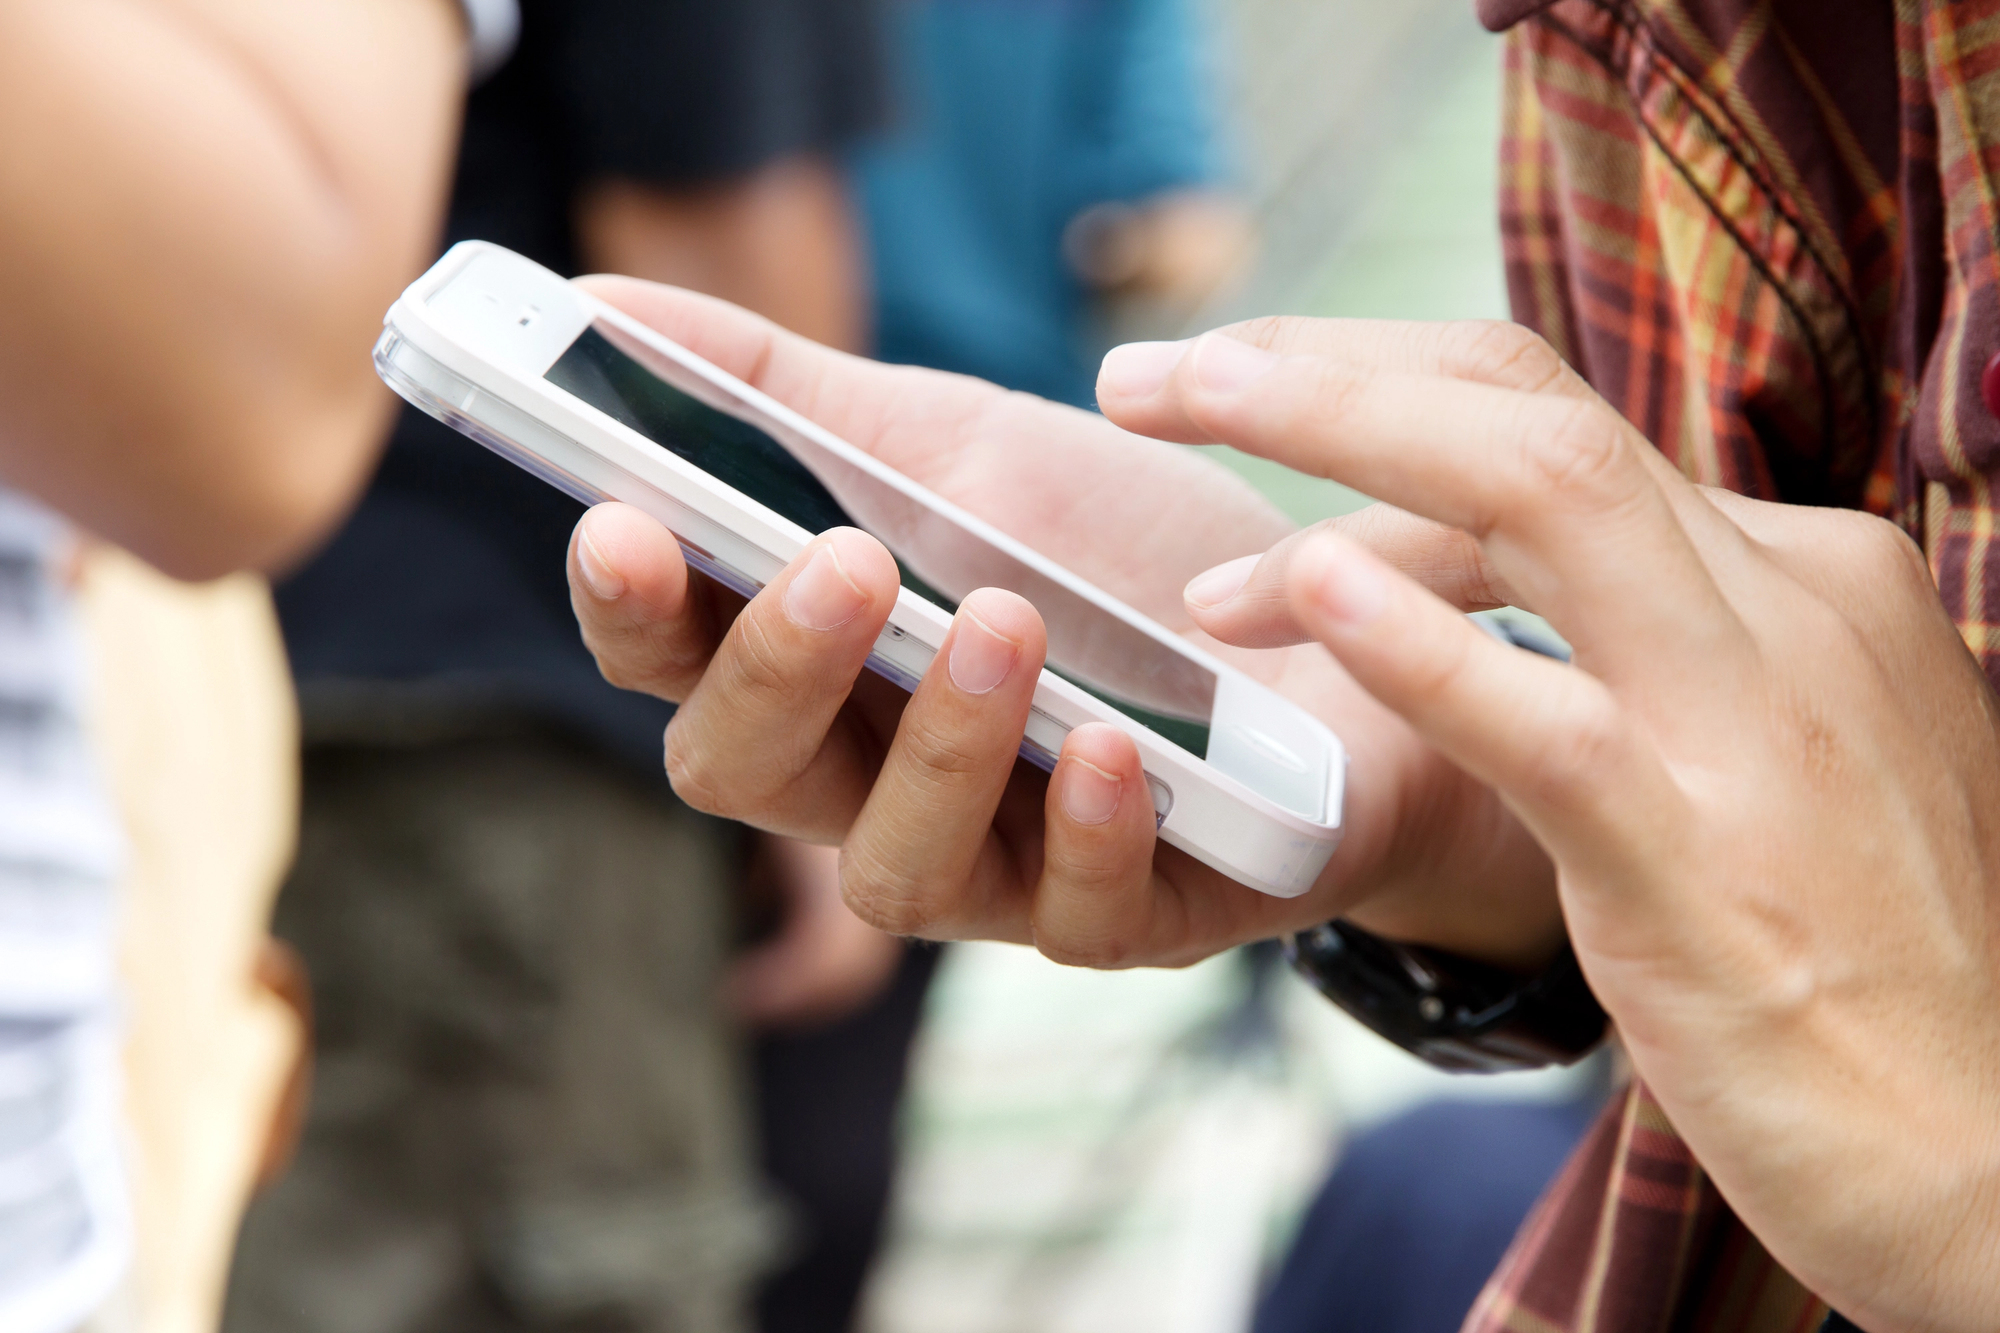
x=1247 y=602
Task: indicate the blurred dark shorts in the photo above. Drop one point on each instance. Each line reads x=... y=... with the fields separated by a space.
x=528 y=1111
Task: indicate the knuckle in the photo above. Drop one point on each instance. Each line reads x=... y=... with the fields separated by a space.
x=1442 y=670
x=1580 y=756
x=620 y=672
x=647 y=659
x=1584 y=452
x=693 y=773
x=1502 y=352
x=1470 y=576
x=1888 y=551
x=756 y=784
x=757 y=662
x=627 y=671
x=1100 y=951
x=882 y=897
x=939 y=756
x=1339 y=389
x=1085 y=912
x=1273 y=332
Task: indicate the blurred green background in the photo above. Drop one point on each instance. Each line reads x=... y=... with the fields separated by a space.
x=1375 y=192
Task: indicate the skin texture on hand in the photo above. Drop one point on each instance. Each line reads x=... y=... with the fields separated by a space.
x=205 y=207
x=782 y=241
x=1770 y=784
x=1766 y=797
x=943 y=834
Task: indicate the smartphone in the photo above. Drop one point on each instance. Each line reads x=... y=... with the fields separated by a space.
x=604 y=408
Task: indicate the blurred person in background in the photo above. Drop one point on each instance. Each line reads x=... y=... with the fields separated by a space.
x=1017 y=129
x=530 y=1107
x=1058 y=173
x=1753 y=825
x=1053 y=168
x=203 y=206
x=1045 y=156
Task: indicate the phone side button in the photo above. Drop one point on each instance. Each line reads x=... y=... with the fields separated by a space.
x=1163 y=799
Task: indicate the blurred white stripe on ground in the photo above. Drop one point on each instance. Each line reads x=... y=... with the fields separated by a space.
x=1095 y=1152
x=1122 y=1152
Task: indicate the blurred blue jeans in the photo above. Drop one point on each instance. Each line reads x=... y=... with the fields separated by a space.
x=1416 y=1214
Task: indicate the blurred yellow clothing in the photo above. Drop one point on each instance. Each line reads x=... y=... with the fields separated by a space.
x=192 y=712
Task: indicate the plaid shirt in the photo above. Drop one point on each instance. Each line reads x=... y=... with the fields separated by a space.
x=1765 y=230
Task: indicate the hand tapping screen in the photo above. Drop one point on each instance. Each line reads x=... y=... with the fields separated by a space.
x=939 y=560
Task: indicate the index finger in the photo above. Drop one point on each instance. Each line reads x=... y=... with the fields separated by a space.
x=1137 y=385
x=1247 y=602
x=1495 y=352
x=1562 y=493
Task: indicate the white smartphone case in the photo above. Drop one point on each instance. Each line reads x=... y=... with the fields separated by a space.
x=469 y=343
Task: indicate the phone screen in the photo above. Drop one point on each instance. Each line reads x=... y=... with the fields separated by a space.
x=939 y=559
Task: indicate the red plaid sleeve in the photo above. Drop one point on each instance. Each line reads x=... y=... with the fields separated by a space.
x=1632 y=1236
x=1954 y=437
x=1765 y=230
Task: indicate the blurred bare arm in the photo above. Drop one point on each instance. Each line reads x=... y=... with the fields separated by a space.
x=782 y=241
x=205 y=207
x=1177 y=250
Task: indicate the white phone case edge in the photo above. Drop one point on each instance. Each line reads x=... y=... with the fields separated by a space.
x=1274 y=851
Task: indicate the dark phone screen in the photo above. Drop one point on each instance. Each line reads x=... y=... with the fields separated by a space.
x=940 y=560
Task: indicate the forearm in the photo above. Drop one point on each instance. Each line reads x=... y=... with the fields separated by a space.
x=782 y=241
x=205 y=206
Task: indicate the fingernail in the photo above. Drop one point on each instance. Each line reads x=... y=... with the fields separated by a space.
x=821 y=596
x=1139 y=369
x=1218 y=585
x=604 y=582
x=1224 y=365
x=1349 y=588
x=980 y=657
x=1089 y=794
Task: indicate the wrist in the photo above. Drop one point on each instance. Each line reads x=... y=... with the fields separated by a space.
x=1499 y=909
x=1450 y=1011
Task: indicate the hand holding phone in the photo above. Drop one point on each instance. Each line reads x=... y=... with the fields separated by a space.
x=808 y=743
x=603 y=407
